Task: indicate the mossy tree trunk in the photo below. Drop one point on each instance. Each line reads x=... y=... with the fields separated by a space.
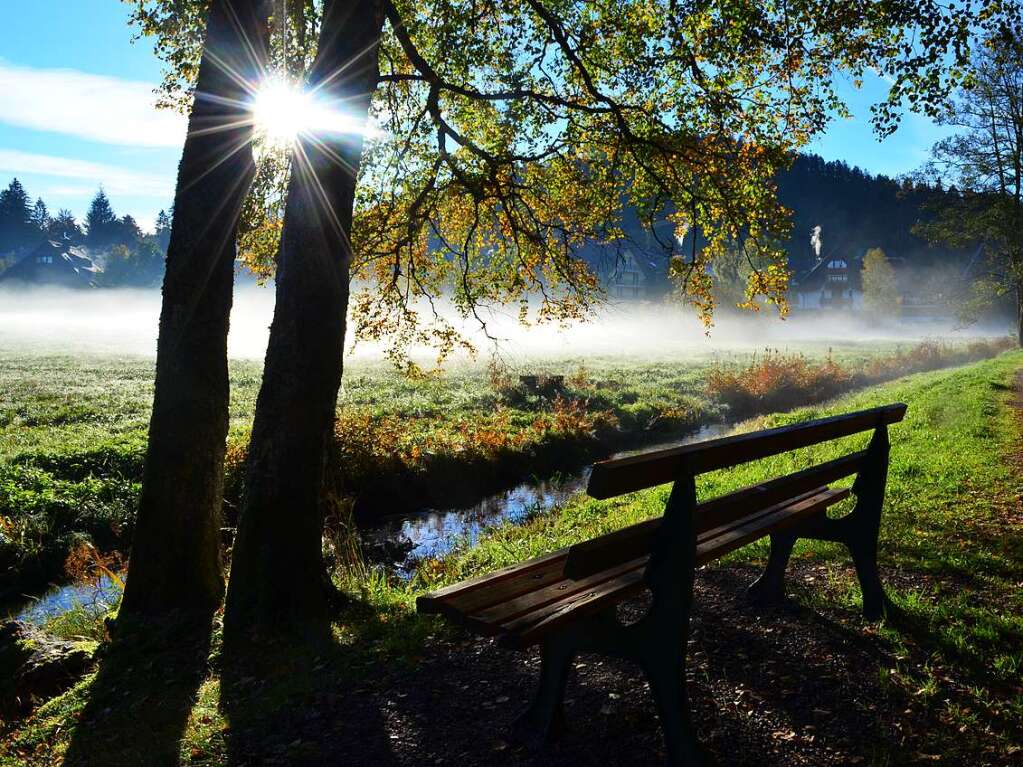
x=278 y=582
x=175 y=557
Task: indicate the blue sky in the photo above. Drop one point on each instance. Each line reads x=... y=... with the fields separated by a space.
x=76 y=112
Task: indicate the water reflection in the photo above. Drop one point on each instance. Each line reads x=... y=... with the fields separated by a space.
x=96 y=597
x=401 y=541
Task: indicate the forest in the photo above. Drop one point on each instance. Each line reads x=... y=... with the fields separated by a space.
x=856 y=211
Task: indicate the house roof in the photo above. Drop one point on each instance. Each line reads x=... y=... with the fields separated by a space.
x=70 y=266
x=815 y=279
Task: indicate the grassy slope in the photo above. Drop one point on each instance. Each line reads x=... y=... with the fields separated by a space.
x=951 y=548
x=952 y=555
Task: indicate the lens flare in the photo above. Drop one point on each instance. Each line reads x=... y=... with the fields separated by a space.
x=282 y=112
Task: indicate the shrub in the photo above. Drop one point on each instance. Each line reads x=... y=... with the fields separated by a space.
x=45 y=518
x=780 y=382
x=776 y=382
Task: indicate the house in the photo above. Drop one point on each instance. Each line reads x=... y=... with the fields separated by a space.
x=628 y=279
x=833 y=283
x=54 y=263
x=625 y=274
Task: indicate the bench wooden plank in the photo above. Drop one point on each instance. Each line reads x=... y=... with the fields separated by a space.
x=530 y=628
x=500 y=613
x=738 y=536
x=630 y=542
x=492 y=617
x=625 y=475
x=472 y=594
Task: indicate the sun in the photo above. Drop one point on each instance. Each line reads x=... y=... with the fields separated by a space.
x=282 y=112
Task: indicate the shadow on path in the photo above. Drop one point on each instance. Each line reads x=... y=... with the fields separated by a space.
x=293 y=703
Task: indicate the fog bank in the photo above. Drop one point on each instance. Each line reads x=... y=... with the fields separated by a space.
x=124 y=321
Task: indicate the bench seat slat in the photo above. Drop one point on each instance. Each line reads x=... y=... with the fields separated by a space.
x=499 y=614
x=472 y=595
x=531 y=628
x=749 y=531
x=520 y=629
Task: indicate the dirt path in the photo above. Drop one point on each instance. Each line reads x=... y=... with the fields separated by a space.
x=785 y=686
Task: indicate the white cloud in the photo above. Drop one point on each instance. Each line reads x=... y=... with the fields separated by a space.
x=114 y=179
x=94 y=107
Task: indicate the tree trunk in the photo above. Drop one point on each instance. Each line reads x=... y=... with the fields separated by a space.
x=175 y=558
x=1019 y=314
x=278 y=582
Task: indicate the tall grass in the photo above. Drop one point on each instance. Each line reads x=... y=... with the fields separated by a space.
x=775 y=381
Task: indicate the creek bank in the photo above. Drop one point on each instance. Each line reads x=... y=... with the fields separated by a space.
x=35 y=666
x=454 y=481
x=402 y=540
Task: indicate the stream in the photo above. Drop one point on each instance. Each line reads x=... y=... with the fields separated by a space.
x=401 y=541
x=96 y=597
x=398 y=542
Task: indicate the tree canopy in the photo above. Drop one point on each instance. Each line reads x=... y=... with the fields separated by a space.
x=16 y=225
x=984 y=160
x=880 y=289
x=508 y=132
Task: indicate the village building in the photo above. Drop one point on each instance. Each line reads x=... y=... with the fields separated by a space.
x=54 y=263
x=833 y=284
x=628 y=280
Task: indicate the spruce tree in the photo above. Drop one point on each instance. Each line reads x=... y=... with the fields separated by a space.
x=100 y=221
x=41 y=216
x=15 y=217
x=64 y=226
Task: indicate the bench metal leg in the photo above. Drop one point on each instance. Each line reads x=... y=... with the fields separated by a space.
x=770 y=587
x=668 y=685
x=544 y=719
x=863 y=533
x=864 y=555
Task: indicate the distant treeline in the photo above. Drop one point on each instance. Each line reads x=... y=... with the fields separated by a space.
x=858 y=211
x=855 y=210
x=127 y=255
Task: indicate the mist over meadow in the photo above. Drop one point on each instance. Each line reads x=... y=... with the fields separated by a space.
x=124 y=321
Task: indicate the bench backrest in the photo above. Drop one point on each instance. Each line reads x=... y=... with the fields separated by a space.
x=624 y=475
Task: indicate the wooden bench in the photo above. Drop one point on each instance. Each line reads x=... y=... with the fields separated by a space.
x=566 y=600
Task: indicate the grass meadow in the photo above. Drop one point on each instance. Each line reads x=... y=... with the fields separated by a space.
x=73 y=430
x=951 y=555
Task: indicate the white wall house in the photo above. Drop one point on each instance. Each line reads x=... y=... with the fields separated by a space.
x=833 y=284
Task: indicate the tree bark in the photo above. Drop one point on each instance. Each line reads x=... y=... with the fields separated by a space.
x=175 y=558
x=1019 y=314
x=278 y=582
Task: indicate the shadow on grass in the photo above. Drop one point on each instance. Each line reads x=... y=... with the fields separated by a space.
x=308 y=702
x=139 y=703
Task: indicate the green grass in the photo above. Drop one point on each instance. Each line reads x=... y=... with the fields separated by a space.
x=951 y=554
x=951 y=545
x=73 y=431
x=69 y=404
